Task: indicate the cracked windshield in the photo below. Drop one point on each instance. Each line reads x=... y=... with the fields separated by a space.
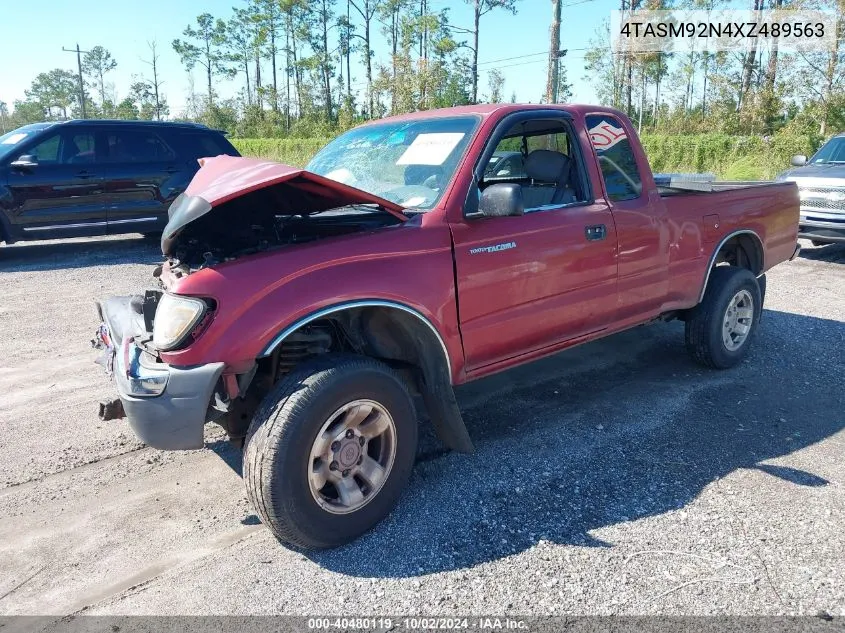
x=407 y=162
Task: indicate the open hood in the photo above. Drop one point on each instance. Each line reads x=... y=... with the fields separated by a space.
x=817 y=170
x=273 y=188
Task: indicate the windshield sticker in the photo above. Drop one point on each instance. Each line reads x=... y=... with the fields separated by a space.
x=430 y=149
x=605 y=135
x=414 y=202
x=14 y=138
x=341 y=175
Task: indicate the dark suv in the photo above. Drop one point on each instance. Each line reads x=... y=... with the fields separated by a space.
x=80 y=178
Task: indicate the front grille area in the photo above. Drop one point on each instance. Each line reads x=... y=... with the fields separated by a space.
x=823 y=204
x=823 y=198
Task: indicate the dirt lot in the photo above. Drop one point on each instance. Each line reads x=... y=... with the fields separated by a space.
x=615 y=478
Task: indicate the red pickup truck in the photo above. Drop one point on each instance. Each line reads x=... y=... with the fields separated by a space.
x=302 y=309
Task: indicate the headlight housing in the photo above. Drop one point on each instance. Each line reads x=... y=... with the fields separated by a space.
x=175 y=317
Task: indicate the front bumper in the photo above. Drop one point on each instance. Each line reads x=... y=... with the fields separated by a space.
x=822 y=225
x=166 y=406
x=821 y=231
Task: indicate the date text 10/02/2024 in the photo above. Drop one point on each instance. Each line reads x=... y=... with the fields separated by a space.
x=419 y=623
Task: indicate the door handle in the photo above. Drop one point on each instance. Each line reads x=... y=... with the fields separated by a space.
x=84 y=174
x=595 y=232
x=171 y=170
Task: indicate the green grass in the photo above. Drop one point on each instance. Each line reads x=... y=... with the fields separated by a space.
x=291 y=151
x=729 y=157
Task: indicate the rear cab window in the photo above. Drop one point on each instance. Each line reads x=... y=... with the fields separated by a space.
x=616 y=157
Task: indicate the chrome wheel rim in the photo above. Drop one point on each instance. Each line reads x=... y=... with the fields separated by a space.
x=351 y=456
x=736 y=325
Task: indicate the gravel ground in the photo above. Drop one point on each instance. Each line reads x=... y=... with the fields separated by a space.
x=615 y=478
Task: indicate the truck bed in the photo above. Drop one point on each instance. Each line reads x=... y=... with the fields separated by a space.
x=674 y=184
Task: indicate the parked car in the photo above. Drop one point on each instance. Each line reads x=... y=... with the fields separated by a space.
x=301 y=308
x=821 y=187
x=81 y=178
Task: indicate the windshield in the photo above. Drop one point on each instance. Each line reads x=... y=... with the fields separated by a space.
x=831 y=152
x=14 y=139
x=407 y=162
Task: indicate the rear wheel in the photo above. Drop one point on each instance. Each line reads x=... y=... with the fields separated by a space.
x=329 y=451
x=719 y=330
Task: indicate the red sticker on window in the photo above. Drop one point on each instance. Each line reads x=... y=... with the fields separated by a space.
x=605 y=135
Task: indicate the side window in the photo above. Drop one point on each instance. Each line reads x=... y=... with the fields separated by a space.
x=555 y=142
x=538 y=155
x=616 y=157
x=505 y=165
x=508 y=161
x=198 y=145
x=78 y=148
x=65 y=148
x=47 y=151
x=137 y=146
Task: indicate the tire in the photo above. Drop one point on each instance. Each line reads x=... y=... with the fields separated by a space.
x=761 y=283
x=704 y=326
x=278 y=452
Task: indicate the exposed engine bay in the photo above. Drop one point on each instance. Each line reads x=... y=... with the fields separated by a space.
x=256 y=223
x=200 y=248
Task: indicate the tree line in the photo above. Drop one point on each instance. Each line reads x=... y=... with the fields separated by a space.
x=297 y=64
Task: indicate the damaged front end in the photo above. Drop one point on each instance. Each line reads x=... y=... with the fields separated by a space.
x=233 y=208
x=167 y=406
x=236 y=207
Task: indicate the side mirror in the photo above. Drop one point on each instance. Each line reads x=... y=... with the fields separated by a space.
x=25 y=162
x=500 y=200
x=799 y=160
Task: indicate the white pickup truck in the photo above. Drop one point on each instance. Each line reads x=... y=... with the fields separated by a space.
x=821 y=187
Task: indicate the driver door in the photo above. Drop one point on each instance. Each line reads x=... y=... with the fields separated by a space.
x=61 y=193
x=530 y=282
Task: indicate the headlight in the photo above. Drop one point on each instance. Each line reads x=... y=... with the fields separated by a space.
x=174 y=318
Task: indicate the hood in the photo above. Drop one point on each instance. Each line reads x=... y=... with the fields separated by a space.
x=283 y=190
x=815 y=171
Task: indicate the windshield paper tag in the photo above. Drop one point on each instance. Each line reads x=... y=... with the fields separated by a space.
x=430 y=149
x=14 y=138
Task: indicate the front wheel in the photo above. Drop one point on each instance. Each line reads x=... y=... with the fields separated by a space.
x=330 y=450
x=719 y=330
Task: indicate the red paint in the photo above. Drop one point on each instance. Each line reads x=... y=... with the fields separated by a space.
x=552 y=290
x=225 y=177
